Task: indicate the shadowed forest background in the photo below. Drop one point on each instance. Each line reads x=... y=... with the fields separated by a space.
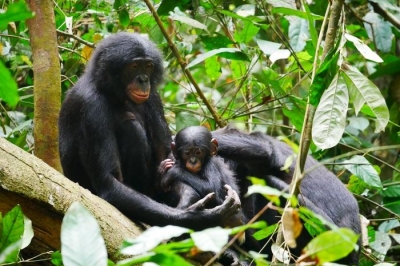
x=283 y=68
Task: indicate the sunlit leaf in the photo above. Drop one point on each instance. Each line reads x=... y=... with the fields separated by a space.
x=247 y=33
x=330 y=117
x=331 y=245
x=387 y=226
x=362 y=168
x=81 y=240
x=363 y=91
x=28 y=233
x=12 y=232
x=266 y=232
x=186 y=20
x=212 y=239
x=150 y=238
x=201 y=57
x=363 y=48
x=268 y=47
x=381 y=244
x=213 y=68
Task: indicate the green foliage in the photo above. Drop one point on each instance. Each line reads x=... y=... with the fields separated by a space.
x=15 y=234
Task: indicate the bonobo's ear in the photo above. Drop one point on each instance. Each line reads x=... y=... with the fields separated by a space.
x=214 y=147
x=174 y=150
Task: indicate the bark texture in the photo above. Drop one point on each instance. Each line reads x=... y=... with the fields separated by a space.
x=45 y=195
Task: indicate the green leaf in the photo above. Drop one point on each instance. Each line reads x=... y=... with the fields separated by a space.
x=363 y=91
x=212 y=239
x=387 y=68
x=295 y=12
x=266 y=232
x=10 y=253
x=13 y=230
x=163 y=259
x=330 y=117
x=298 y=34
x=332 y=245
x=213 y=68
x=8 y=87
x=387 y=226
x=215 y=42
x=124 y=19
x=381 y=31
x=16 y=11
x=361 y=167
x=201 y=57
x=167 y=5
x=268 y=47
x=181 y=17
x=391 y=192
x=81 y=240
x=247 y=33
x=363 y=49
x=311 y=25
x=151 y=238
x=56 y=258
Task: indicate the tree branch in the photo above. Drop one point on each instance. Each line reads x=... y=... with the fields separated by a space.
x=183 y=65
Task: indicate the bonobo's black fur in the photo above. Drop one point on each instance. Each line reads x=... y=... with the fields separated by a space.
x=113 y=134
x=260 y=155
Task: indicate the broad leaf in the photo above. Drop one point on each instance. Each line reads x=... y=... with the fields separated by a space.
x=363 y=48
x=381 y=244
x=151 y=238
x=13 y=230
x=361 y=167
x=17 y=11
x=212 y=239
x=8 y=87
x=330 y=117
x=179 y=16
x=81 y=240
x=332 y=245
x=201 y=57
x=247 y=33
x=363 y=91
x=298 y=34
x=295 y=12
x=28 y=233
x=166 y=6
x=268 y=47
x=124 y=19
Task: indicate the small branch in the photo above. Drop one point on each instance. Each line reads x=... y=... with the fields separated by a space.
x=384 y=13
x=182 y=63
x=59 y=32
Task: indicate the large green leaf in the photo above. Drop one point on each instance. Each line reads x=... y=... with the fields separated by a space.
x=201 y=57
x=8 y=87
x=81 y=240
x=361 y=167
x=330 y=117
x=13 y=230
x=363 y=91
x=332 y=245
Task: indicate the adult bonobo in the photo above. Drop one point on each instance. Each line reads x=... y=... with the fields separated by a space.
x=113 y=134
x=263 y=156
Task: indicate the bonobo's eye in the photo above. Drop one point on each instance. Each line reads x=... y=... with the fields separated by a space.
x=134 y=65
x=149 y=66
x=198 y=152
x=186 y=152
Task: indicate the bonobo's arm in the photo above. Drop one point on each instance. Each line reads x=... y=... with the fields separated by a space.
x=104 y=170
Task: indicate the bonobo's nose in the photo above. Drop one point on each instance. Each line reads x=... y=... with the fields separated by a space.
x=143 y=78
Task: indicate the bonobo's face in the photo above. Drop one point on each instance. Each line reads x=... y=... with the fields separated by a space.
x=137 y=76
x=193 y=158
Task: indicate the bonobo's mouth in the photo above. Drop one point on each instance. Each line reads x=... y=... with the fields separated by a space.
x=137 y=97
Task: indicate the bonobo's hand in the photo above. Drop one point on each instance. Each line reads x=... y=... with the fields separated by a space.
x=165 y=166
x=200 y=205
x=229 y=207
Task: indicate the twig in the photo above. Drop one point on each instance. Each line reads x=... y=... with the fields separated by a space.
x=182 y=63
x=60 y=32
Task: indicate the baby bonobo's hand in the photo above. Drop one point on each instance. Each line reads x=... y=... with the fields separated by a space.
x=165 y=166
x=228 y=208
x=200 y=205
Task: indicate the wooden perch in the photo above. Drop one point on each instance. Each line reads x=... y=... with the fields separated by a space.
x=45 y=195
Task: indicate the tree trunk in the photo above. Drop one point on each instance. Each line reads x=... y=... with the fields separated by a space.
x=45 y=195
x=47 y=81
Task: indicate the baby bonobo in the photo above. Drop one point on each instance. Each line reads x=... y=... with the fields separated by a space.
x=197 y=172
